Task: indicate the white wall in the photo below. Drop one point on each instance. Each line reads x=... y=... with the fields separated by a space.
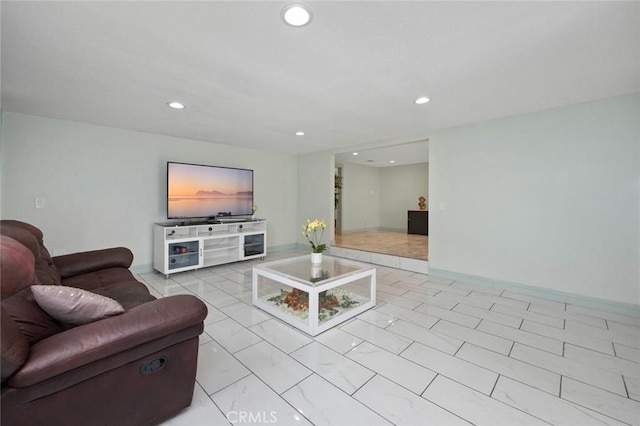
x=360 y=198
x=549 y=199
x=2 y=157
x=400 y=187
x=315 y=194
x=379 y=197
x=104 y=186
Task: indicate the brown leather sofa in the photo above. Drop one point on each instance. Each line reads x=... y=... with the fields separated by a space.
x=134 y=368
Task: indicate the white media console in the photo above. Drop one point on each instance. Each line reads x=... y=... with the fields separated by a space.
x=178 y=248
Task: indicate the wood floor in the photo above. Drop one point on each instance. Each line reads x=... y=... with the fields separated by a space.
x=387 y=242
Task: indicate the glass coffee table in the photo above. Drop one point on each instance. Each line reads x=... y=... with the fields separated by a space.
x=314 y=298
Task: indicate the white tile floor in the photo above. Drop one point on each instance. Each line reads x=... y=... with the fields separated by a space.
x=432 y=352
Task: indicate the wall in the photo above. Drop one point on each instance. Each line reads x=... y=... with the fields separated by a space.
x=315 y=193
x=548 y=199
x=400 y=187
x=105 y=186
x=2 y=161
x=379 y=197
x=360 y=198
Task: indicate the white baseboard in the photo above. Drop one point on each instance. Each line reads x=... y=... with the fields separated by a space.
x=558 y=296
x=359 y=230
x=141 y=269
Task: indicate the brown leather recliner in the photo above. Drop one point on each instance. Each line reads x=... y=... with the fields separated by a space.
x=135 y=368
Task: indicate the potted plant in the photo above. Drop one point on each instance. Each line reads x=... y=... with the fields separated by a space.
x=314 y=231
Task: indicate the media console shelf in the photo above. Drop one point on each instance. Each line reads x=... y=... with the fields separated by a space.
x=178 y=248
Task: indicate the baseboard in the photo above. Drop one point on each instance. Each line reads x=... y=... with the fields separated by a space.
x=141 y=269
x=389 y=229
x=284 y=247
x=359 y=230
x=558 y=296
x=374 y=229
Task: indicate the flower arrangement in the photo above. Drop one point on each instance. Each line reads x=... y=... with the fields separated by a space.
x=310 y=230
x=296 y=302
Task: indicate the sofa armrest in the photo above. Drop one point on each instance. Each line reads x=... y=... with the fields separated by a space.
x=70 y=265
x=92 y=342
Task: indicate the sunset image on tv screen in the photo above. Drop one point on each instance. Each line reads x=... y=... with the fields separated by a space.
x=208 y=191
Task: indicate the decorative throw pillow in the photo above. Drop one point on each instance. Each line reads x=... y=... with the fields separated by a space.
x=73 y=305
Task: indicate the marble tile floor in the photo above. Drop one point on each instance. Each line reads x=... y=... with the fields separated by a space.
x=449 y=354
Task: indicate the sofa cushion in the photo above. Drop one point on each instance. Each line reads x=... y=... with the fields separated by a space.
x=12 y=230
x=16 y=266
x=14 y=346
x=18 y=305
x=99 y=279
x=31 y=237
x=73 y=305
x=75 y=264
x=34 y=323
x=129 y=293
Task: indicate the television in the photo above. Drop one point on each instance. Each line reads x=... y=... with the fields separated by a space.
x=201 y=191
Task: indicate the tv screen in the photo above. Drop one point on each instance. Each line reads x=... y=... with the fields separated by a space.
x=197 y=191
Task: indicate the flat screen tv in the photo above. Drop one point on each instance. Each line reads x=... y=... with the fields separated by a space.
x=200 y=191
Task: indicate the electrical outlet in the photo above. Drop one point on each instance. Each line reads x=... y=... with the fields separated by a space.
x=442 y=205
x=38 y=203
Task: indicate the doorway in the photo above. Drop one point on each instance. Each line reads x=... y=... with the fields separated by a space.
x=378 y=188
x=337 y=191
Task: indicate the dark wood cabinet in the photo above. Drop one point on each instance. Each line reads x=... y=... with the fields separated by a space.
x=418 y=222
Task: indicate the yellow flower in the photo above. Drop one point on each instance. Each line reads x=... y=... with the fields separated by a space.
x=309 y=231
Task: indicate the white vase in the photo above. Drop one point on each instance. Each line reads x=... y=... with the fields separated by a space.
x=316 y=271
x=316 y=258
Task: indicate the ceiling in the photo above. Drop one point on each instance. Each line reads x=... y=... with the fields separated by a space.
x=348 y=79
x=388 y=156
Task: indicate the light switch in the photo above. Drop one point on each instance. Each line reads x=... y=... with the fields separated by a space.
x=442 y=205
x=39 y=203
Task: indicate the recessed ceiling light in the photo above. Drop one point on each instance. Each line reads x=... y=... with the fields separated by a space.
x=299 y=133
x=422 y=100
x=392 y=161
x=296 y=15
x=355 y=153
x=175 y=105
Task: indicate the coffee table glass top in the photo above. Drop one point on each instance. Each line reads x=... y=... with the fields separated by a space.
x=301 y=269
